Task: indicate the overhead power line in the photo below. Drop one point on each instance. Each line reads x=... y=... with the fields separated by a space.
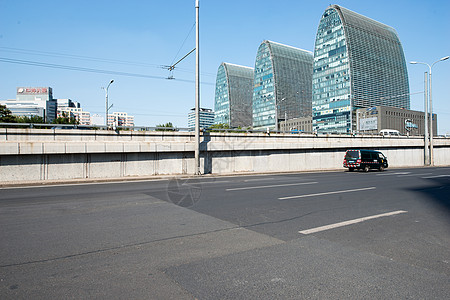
x=147 y=115
x=402 y=95
x=190 y=31
x=72 y=56
x=90 y=58
x=90 y=70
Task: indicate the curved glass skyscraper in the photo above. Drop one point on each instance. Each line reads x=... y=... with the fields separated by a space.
x=358 y=62
x=282 y=84
x=233 y=98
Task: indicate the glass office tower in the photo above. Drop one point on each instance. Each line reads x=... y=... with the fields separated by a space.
x=358 y=62
x=233 y=98
x=282 y=84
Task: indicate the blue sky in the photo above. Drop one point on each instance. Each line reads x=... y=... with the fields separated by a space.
x=138 y=37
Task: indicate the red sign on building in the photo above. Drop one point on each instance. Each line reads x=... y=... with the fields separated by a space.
x=32 y=91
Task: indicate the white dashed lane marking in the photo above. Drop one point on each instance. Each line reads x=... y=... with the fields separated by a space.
x=350 y=222
x=327 y=193
x=268 y=186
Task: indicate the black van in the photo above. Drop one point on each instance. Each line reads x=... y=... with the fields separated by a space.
x=365 y=160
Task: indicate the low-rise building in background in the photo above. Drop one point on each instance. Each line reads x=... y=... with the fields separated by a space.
x=98 y=120
x=297 y=125
x=120 y=119
x=83 y=117
x=206 y=118
x=33 y=101
x=408 y=122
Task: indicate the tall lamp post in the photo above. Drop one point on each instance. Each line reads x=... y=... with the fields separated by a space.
x=431 y=103
x=106 y=100
x=277 y=121
x=197 y=90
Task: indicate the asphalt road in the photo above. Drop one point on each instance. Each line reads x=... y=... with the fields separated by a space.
x=377 y=235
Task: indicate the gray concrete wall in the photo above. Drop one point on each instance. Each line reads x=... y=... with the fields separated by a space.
x=44 y=154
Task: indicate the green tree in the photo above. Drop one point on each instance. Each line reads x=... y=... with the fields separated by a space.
x=168 y=125
x=31 y=119
x=6 y=115
x=65 y=120
x=220 y=127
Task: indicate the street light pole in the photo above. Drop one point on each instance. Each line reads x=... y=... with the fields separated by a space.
x=426 y=137
x=197 y=91
x=357 y=122
x=431 y=103
x=276 y=116
x=431 y=113
x=106 y=100
x=277 y=121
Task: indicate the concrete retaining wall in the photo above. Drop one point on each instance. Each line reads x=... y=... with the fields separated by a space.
x=44 y=154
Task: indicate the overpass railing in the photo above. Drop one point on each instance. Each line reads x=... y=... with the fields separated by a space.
x=182 y=129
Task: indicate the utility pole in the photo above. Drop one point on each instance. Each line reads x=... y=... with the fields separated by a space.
x=430 y=102
x=426 y=139
x=197 y=91
x=106 y=100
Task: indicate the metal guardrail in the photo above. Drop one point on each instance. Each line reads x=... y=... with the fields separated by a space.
x=91 y=127
x=207 y=130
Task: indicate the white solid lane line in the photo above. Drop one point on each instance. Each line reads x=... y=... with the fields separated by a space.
x=259 y=179
x=397 y=173
x=268 y=186
x=436 y=176
x=327 y=193
x=414 y=175
x=207 y=182
x=345 y=223
x=44 y=185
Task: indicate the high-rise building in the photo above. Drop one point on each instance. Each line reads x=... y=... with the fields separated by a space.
x=282 y=84
x=206 y=118
x=33 y=101
x=358 y=63
x=233 y=98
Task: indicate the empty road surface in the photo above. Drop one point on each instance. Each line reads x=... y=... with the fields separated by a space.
x=329 y=235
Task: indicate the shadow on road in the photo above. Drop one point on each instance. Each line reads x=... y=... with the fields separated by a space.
x=439 y=192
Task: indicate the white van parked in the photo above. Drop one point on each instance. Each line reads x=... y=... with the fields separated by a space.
x=389 y=132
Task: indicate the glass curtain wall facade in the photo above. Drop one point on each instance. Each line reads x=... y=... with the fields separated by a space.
x=358 y=62
x=233 y=97
x=282 y=84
